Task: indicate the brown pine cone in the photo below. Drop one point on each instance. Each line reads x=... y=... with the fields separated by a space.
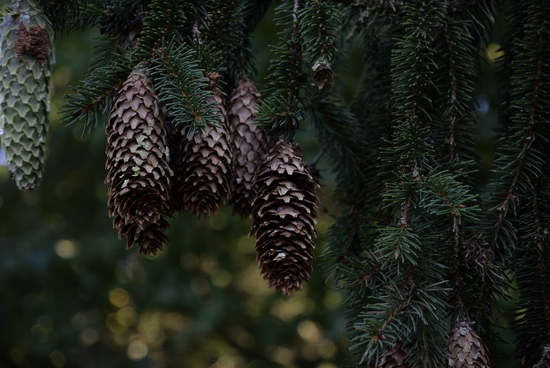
x=249 y=145
x=206 y=176
x=466 y=349
x=283 y=217
x=395 y=357
x=137 y=163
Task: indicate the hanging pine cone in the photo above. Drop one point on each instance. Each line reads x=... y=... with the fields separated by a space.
x=322 y=72
x=395 y=357
x=249 y=145
x=206 y=175
x=25 y=57
x=544 y=361
x=475 y=255
x=137 y=160
x=283 y=217
x=466 y=349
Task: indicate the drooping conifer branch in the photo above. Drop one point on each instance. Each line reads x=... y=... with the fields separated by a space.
x=411 y=154
x=518 y=161
x=181 y=85
x=320 y=24
x=534 y=276
x=91 y=100
x=524 y=191
x=453 y=135
x=280 y=112
x=457 y=76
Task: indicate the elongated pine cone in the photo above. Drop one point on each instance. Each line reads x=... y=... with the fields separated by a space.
x=395 y=357
x=137 y=160
x=25 y=57
x=283 y=218
x=206 y=176
x=466 y=349
x=249 y=145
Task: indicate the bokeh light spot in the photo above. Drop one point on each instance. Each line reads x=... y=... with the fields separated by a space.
x=309 y=331
x=326 y=349
x=327 y=365
x=189 y=261
x=493 y=52
x=288 y=309
x=126 y=317
x=221 y=279
x=66 y=248
x=137 y=350
x=209 y=265
x=79 y=320
x=111 y=321
x=281 y=355
x=58 y=359
x=89 y=336
x=119 y=297
x=174 y=321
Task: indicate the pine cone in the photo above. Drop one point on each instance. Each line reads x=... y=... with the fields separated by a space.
x=26 y=54
x=395 y=357
x=544 y=361
x=475 y=255
x=322 y=72
x=206 y=176
x=283 y=218
x=465 y=348
x=249 y=145
x=137 y=160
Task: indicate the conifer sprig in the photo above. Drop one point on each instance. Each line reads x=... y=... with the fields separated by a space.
x=520 y=158
x=456 y=77
x=280 y=112
x=520 y=200
x=182 y=86
x=320 y=23
x=162 y=22
x=92 y=98
x=230 y=31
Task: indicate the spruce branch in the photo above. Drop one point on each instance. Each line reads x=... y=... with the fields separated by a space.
x=518 y=159
x=230 y=32
x=181 y=85
x=533 y=275
x=320 y=25
x=279 y=113
x=164 y=21
x=92 y=98
x=457 y=79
